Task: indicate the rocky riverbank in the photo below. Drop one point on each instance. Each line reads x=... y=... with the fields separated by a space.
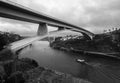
x=26 y=70
x=101 y=44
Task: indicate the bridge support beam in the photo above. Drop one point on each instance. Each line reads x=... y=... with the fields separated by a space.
x=42 y=29
x=88 y=37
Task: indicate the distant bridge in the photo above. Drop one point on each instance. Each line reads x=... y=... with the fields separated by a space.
x=15 y=11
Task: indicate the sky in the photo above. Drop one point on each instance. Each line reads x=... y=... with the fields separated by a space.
x=93 y=15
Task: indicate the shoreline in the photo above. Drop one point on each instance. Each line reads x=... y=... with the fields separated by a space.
x=28 y=71
x=112 y=55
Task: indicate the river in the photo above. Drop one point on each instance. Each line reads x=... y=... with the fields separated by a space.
x=98 y=69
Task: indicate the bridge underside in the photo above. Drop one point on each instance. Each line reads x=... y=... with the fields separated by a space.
x=12 y=10
x=15 y=11
x=43 y=30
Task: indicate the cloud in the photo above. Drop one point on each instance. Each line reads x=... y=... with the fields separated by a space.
x=93 y=15
x=17 y=26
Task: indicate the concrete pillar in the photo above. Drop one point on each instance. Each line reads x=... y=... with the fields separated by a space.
x=42 y=29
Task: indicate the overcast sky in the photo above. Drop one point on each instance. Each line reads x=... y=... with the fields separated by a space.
x=93 y=15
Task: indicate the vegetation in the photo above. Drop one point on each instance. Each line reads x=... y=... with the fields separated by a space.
x=6 y=38
x=106 y=42
x=26 y=70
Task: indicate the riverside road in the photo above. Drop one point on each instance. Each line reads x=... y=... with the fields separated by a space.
x=97 y=69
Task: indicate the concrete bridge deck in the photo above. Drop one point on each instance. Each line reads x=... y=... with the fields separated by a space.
x=15 y=11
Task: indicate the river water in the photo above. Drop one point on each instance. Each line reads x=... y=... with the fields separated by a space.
x=98 y=69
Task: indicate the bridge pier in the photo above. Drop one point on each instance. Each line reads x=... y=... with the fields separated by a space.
x=42 y=29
